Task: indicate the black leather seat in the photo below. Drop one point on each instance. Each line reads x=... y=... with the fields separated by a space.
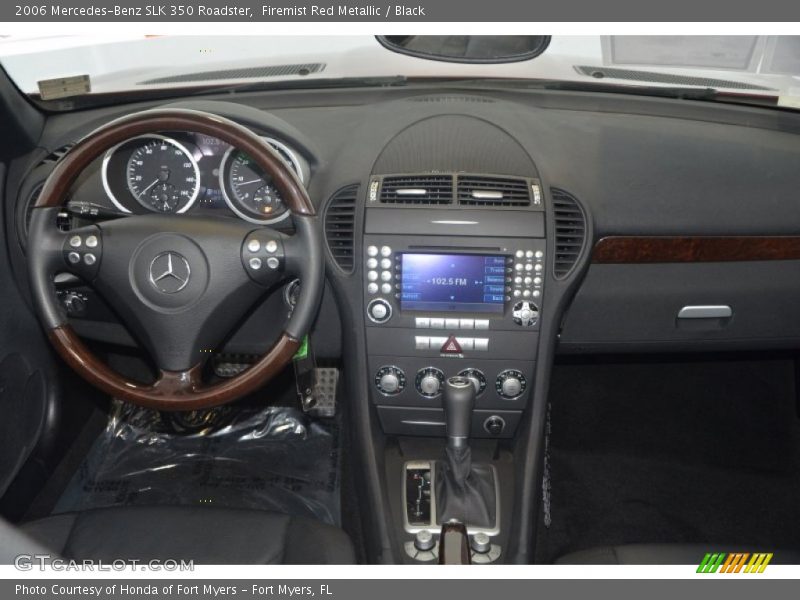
x=666 y=554
x=203 y=534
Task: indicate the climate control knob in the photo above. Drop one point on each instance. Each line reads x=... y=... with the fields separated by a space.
x=429 y=382
x=510 y=384
x=379 y=310
x=390 y=380
x=476 y=377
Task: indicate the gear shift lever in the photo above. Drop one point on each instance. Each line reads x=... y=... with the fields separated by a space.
x=464 y=492
x=459 y=401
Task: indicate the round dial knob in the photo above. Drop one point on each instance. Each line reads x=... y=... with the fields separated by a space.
x=390 y=380
x=510 y=384
x=379 y=310
x=429 y=382
x=424 y=541
x=481 y=543
x=476 y=377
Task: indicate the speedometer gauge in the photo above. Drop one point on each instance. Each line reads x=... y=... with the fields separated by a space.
x=163 y=176
x=249 y=191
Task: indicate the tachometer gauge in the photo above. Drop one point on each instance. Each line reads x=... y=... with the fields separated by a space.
x=249 y=191
x=253 y=189
x=163 y=176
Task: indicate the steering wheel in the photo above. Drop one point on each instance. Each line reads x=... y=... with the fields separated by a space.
x=180 y=283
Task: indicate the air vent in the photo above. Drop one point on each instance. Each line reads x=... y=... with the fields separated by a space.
x=570 y=232
x=55 y=155
x=300 y=70
x=441 y=99
x=340 y=221
x=417 y=189
x=478 y=190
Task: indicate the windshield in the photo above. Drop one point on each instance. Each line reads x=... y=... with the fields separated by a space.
x=57 y=68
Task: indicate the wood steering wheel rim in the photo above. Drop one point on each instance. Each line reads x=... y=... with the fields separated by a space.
x=173 y=390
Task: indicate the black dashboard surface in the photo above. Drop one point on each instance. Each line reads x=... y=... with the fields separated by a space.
x=641 y=166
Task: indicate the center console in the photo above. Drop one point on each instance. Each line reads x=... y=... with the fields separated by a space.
x=453 y=290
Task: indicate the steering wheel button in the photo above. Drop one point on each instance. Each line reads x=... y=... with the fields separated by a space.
x=273 y=263
x=89 y=259
x=255 y=263
x=74 y=258
x=254 y=245
x=75 y=241
x=271 y=246
x=91 y=241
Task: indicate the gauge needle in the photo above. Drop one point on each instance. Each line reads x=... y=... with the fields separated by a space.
x=144 y=191
x=251 y=181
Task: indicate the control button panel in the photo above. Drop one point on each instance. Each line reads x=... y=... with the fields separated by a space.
x=442 y=323
x=429 y=382
x=510 y=384
x=380 y=270
x=390 y=380
x=528 y=273
x=440 y=344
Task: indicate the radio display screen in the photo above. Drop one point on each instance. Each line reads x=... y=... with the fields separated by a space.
x=452 y=282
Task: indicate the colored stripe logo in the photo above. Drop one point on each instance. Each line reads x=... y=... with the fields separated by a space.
x=735 y=562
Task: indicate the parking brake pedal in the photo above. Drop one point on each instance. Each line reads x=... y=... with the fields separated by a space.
x=316 y=386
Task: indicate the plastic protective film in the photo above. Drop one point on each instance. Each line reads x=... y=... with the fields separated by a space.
x=272 y=458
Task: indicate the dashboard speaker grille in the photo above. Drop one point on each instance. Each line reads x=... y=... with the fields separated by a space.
x=417 y=189
x=480 y=190
x=570 y=232
x=340 y=224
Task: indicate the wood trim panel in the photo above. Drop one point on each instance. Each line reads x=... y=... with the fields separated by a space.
x=676 y=249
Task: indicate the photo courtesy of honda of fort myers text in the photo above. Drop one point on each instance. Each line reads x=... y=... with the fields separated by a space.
x=336 y=301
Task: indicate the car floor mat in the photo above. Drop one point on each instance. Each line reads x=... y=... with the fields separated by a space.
x=271 y=458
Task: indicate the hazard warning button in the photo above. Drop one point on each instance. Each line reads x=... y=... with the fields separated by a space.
x=451 y=346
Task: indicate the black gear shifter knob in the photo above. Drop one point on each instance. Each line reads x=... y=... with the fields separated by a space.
x=459 y=401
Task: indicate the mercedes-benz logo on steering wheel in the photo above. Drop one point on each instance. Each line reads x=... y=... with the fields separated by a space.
x=169 y=272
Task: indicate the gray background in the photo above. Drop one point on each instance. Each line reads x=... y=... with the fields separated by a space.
x=463 y=10
x=730 y=587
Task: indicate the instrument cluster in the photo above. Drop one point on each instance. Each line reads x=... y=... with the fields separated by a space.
x=188 y=172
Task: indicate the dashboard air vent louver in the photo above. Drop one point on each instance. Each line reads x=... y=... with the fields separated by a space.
x=55 y=155
x=417 y=189
x=570 y=232
x=340 y=221
x=480 y=190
